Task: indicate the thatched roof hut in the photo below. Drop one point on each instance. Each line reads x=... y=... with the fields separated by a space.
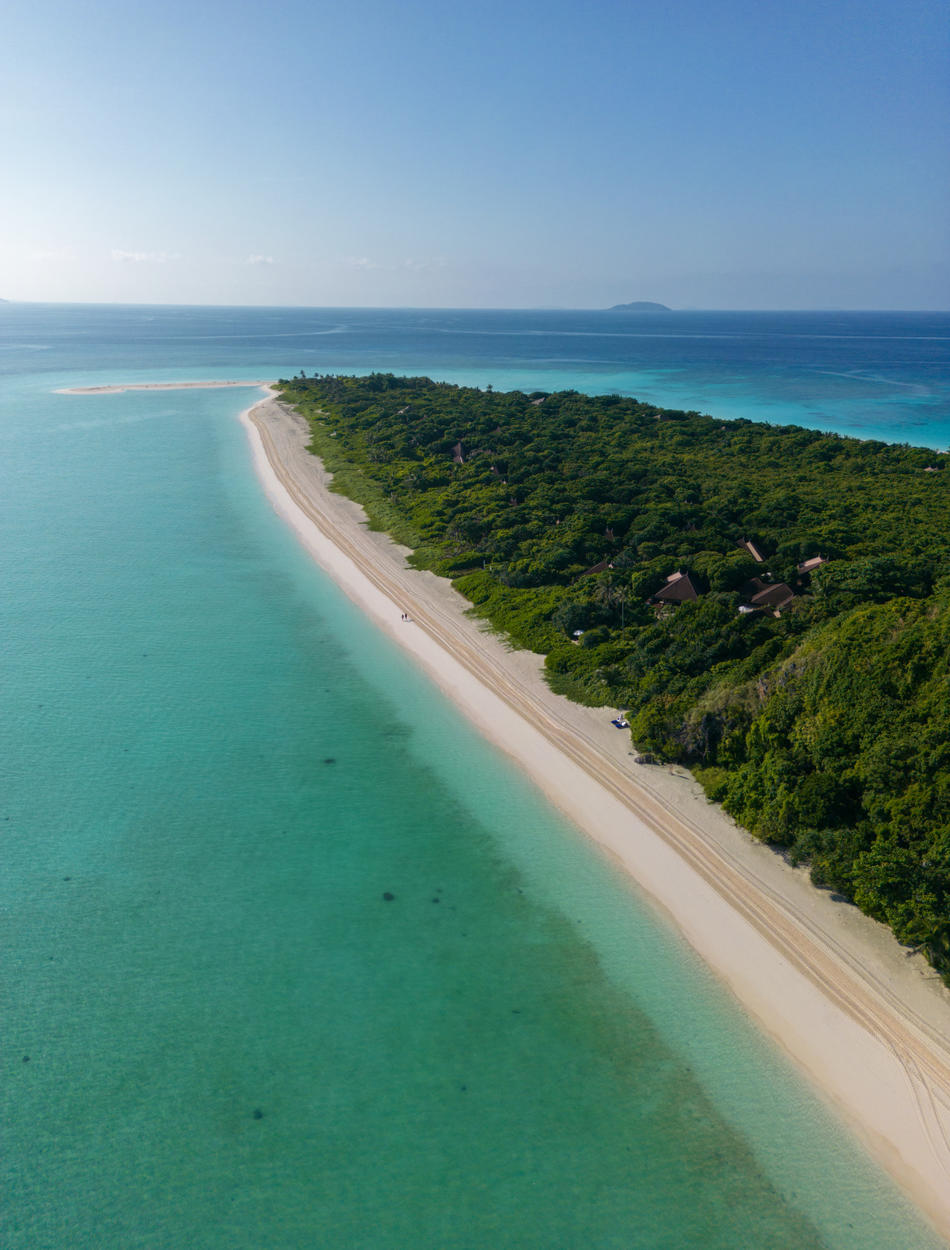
x=678 y=588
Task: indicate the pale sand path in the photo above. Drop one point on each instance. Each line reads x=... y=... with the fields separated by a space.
x=869 y=1023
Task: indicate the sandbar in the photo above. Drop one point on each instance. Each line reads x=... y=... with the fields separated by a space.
x=116 y=388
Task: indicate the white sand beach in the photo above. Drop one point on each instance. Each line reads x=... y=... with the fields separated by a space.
x=868 y=1022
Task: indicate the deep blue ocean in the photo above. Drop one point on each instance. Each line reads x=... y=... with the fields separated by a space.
x=871 y=375
x=216 y=1031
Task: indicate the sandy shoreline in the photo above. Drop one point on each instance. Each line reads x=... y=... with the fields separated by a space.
x=868 y=1023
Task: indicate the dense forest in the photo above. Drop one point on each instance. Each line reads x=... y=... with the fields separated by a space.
x=770 y=604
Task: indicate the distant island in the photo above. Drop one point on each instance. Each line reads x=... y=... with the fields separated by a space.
x=639 y=306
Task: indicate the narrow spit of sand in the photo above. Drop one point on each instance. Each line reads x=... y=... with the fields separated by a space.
x=869 y=1024
x=118 y=387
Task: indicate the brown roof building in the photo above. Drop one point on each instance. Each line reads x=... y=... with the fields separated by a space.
x=752 y=587
x=679 y=588
x=747 y=545
x=596 y=568
x=775 y=597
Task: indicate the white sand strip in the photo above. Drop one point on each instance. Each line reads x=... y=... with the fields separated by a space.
x=868 y=1023
x=118 y=387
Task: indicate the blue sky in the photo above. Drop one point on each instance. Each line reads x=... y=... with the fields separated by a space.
x=370 y=153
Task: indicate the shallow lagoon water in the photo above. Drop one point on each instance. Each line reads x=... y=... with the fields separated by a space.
x=216 y=770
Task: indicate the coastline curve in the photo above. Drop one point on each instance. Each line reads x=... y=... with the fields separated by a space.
x=872 y=1041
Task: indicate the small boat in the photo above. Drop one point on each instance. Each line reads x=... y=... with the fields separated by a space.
x=621 y=723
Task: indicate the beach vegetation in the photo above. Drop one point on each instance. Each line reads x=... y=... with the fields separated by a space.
x=806 y=683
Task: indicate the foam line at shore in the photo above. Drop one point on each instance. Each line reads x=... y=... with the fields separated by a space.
x=869 y=1025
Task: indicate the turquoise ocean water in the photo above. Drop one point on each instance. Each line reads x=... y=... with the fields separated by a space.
x=216 y=1032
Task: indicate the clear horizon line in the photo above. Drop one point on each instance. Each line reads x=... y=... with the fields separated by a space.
x=542 y=308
